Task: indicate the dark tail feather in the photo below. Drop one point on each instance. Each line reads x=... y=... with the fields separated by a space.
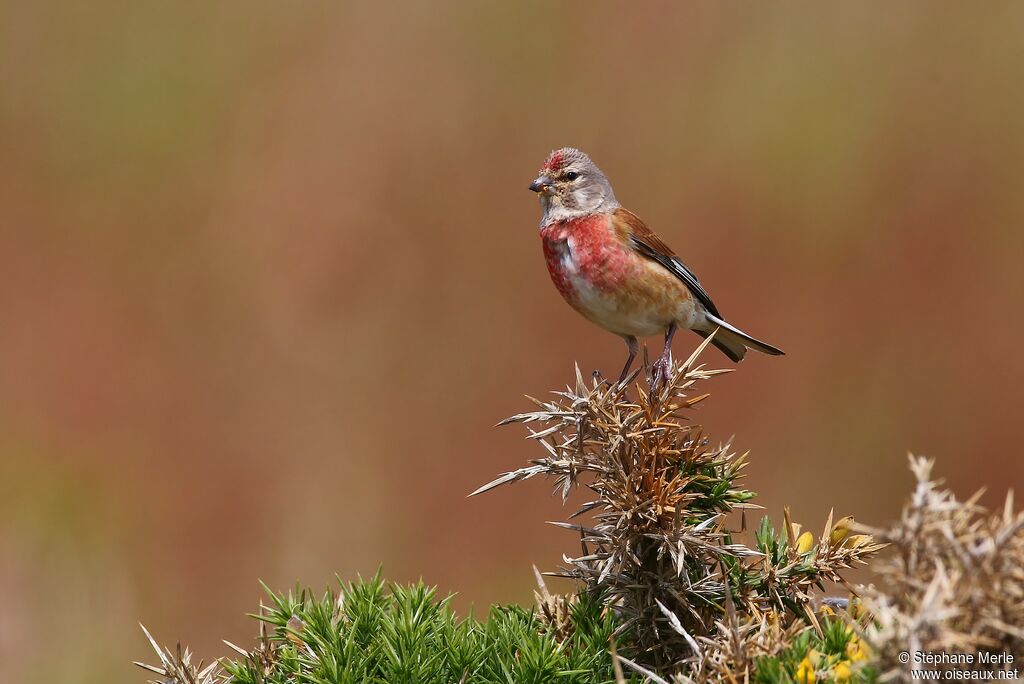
x=733 y=342
x=735 y=354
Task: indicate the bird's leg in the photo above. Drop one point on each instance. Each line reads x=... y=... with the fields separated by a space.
x=663 y=366
x=633 y=346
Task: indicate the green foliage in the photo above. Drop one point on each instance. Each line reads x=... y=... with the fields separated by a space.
x=373 y=632
x=376 y=632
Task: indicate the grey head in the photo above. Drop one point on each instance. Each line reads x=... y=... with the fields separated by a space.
x=571 y=186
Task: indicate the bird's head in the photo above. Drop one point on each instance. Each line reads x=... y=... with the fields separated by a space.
x=571 y=186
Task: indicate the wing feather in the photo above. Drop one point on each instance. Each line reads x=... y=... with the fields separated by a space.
x=641 y=238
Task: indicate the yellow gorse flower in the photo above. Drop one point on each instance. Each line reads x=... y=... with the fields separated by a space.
x=804 y=542
x=856 y=541
x=841 y=673
x=805 y=672
x=856 y=650
x=841 y=529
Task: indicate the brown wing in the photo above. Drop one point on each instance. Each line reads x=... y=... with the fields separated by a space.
x=637 y=235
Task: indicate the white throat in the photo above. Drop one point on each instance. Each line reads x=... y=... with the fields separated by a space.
x=555 y=211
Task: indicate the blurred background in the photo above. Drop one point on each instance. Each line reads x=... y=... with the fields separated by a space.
x=271 y=274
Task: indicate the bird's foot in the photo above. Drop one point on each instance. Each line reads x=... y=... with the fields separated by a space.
x=599 y=379
x=660 y=372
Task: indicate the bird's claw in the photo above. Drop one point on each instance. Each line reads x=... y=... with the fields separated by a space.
x=660 y=372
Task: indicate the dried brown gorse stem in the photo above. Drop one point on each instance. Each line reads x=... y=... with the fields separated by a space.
x=176 y=666
x=954 y=581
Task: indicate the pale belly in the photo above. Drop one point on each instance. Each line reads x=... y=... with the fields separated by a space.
x=636 y=298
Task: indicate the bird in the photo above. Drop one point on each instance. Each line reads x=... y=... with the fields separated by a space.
x=615 y=271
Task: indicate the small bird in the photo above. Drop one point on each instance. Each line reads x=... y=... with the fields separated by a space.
x=616 y=272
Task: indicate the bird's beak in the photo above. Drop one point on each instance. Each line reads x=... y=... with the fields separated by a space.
x=541 y=185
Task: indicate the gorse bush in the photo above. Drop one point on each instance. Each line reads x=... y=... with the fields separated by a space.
x=671 y=586
x=655 y=534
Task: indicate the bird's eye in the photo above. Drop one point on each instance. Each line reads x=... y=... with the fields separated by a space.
x=571 y=176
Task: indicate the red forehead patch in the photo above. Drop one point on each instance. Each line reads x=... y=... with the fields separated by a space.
x=554 y=161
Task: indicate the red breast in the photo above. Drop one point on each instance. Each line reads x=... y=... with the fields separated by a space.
x=588 y=249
